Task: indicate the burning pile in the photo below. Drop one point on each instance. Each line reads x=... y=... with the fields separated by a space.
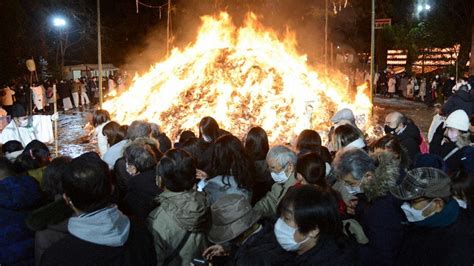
x=242 y=77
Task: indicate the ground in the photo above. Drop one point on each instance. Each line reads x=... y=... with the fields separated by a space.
x=74 y=141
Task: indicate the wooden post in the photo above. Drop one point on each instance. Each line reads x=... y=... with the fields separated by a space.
x=56 y=141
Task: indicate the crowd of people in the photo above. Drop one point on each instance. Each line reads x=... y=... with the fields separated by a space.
x=214 y=198
x=438 y=88
x=16 y=96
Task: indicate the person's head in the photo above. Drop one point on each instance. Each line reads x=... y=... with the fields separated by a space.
x=281 y=162
x=456 y=124
x=354 y=167
x=463 y=188
x=100 y=117
x=425 y=191
x=307 y=214
x=208 y=129
x=165 y=142
x=347 y=136
x=344 y=114
x=52 y=178
x=122 y=132
x=391 y=144
x=176 y=171
x=183 y=137
x=6 y=168
x=256 y=144
x=229 y=159
x=87 y=184
x=232 y=218
x=11 y=146
x=394 y=122
x=155 y=130
x=111 y=132
x=139 y=158
x=312 y=169
x=35 y=155
x=308 y=140
x=139 y=129
x=196 y=148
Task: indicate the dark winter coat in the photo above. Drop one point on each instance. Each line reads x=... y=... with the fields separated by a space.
x=50 y=224
x=453 y=162
x=141 y=192
x=138 y=250
x=461 y=100
x=448 y=245
x=263 y=181
x=379 y=214
x=262 y=249
x=18 y=195
x=410 y=139
x=328 y=251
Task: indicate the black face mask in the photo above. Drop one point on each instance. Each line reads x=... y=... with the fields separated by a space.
x=389 y=130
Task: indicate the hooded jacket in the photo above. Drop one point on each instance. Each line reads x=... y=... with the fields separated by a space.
x=410 y=139
x=102 y=237
x=178 y=213
x=379 y=213
x=18 y=195
x=461 y=100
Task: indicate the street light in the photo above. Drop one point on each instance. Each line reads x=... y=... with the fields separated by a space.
x=59 y=22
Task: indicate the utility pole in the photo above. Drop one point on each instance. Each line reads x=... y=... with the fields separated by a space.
x=326 y=35
x=372 y=58
x=99 y=54
x=168 y=29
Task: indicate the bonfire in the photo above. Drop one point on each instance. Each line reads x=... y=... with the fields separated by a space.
x=243 y=77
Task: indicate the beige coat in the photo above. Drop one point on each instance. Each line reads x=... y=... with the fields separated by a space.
x=268 y=204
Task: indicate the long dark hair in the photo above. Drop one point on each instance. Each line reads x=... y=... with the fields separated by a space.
x=35 y=155
x=256 y=144
x=308 y=140
x=111 y=131
x=229 y=159
x=99 y=117
x=209 y=127
x=392 y=144
x=313 y=169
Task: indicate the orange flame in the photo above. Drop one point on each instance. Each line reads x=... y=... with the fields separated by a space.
x=242 y=77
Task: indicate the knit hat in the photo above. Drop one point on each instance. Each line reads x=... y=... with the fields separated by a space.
x=423 y=182
x=343 y=114
x=458 y=120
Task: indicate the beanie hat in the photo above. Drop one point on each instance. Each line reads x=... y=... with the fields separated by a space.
x=458 y=120
x=343 y=114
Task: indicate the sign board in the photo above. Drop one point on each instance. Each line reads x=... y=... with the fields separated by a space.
x=382 y=22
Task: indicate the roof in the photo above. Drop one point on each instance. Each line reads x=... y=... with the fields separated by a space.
x=85 y=67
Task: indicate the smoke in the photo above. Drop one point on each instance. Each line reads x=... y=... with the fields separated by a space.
x=304 y=18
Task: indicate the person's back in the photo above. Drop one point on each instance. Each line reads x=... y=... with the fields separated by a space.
x=18 y=195
x=179 y=223
x=99 y=233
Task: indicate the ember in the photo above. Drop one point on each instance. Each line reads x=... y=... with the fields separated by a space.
x=242 y=77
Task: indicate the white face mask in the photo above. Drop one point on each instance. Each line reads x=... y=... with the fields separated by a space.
x=452 y=135
x=355 y=190
x=412 y=214
x=207 y=138
x=280 y=177
x=285 y=236
x=461 y=203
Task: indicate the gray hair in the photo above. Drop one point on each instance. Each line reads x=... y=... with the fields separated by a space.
x=282 y=154
x=352 y=161
x=139 y=129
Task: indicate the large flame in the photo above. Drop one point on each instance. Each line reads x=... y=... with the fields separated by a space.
x=242 y=77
